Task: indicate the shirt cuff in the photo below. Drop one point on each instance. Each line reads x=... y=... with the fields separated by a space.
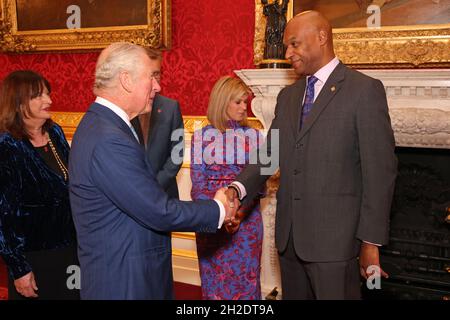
x=241 y=188
x=375 y=244
x=222 y=213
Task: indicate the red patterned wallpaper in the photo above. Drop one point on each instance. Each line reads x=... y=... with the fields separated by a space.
x=210 y=38
x=70 y=76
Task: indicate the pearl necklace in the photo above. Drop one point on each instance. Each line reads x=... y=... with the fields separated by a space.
x=58 y=160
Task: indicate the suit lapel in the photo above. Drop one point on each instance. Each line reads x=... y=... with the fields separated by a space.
x=329 y=90
x=295 y=104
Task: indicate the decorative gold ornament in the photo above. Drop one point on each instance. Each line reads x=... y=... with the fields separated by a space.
x=387 y=47
x=70 y=120
x=156 y=33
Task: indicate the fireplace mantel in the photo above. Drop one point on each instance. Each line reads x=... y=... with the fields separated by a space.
x=419 y=101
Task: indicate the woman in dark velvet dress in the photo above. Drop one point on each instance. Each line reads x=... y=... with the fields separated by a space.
x=37 y=235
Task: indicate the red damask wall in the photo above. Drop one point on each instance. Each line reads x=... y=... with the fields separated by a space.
x=210 y=38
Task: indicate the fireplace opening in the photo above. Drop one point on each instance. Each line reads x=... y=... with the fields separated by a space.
x=417 y=257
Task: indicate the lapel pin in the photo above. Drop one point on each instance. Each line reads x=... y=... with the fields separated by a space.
x=159 y=110
x=333 y=88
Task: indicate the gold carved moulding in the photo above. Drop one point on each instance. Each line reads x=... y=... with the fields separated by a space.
x=405 y=46
x=29 y=25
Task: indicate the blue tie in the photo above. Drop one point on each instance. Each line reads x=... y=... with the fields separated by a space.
x=309 y=99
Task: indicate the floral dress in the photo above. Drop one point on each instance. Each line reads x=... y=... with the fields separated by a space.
x=230 y=265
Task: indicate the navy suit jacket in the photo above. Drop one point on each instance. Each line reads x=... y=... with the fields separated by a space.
x=164 y=119
x=122 y=216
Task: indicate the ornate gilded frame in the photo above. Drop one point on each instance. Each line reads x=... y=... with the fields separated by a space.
x=416 y=46
x=156 y=33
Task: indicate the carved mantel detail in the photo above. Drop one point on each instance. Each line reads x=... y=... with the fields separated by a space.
x=419 y=101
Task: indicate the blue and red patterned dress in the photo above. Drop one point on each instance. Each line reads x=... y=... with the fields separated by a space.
x=230 y=265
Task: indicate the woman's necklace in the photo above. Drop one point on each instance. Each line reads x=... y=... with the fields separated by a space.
x=58 y=159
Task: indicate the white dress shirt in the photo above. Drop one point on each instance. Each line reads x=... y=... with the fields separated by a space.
x=322 y=75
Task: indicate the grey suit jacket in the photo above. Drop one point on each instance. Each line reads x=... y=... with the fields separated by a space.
x=337 y=173
x=165 y=118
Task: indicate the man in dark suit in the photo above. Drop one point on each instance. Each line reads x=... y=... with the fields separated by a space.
x=337 y=169
x=155 y=131
x=121 y=214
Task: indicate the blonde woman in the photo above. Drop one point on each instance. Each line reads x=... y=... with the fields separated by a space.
x=229 y=262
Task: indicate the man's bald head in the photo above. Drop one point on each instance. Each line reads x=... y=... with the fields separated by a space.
x=316 y=20
x=309 y=40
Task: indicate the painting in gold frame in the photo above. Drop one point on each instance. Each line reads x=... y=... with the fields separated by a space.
x=147 y=23
x=393 y=46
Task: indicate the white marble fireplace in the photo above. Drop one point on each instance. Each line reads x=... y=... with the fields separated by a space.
x=419 y=106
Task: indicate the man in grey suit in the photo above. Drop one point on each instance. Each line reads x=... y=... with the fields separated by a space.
x=155 y=130
x=337 y=166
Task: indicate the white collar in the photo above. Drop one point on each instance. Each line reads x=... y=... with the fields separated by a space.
x=324 y=73
x=114 y=108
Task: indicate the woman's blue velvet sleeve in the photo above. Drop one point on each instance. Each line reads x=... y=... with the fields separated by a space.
x=11 y=241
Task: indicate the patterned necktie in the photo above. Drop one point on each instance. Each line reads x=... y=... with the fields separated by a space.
x=134 y=133
x=309 y=99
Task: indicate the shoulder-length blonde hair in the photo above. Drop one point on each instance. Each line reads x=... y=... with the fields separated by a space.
x=224 y=91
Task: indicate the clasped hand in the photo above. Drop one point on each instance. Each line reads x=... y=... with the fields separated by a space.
x=230 y=201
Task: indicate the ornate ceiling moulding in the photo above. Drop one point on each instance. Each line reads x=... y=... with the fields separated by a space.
x=28 y=36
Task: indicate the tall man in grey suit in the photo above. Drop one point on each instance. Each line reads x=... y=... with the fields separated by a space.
x=122 y=215
x=337 y=167
x=155 y=130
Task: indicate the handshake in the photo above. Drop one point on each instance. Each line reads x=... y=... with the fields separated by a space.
x=230 y=201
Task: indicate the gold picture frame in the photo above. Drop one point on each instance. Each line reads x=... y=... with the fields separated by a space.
x=155 y=33
x=412 y=46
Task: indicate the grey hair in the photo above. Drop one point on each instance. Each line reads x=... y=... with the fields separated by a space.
x=117 y=57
